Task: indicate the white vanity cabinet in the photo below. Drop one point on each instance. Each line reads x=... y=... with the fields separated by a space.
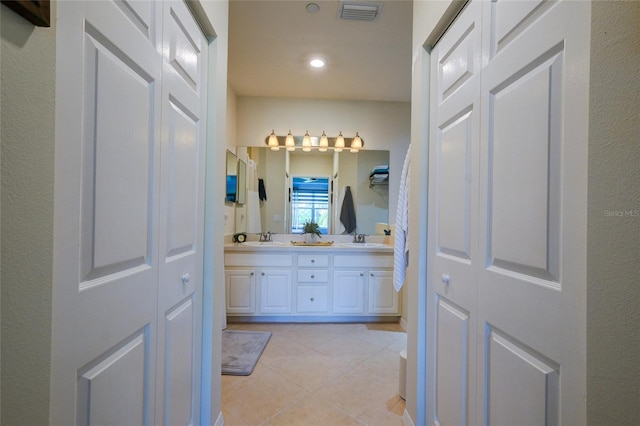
x=312 y=284
x=240 y=285
x=309 y=284
x=275 y=291
x=383 y=298
x=258 y=280
x=348 y=291
x=363 y=284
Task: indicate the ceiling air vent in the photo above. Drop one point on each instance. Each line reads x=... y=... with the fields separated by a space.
x=352 y=11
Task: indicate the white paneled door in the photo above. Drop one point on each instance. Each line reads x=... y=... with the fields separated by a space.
x=129 y=214
x=507 y=197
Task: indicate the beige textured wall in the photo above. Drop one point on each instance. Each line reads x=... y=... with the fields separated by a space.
x=613 y=243
x=27 y=142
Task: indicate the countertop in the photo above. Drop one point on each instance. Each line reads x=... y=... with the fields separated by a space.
x=282 y=245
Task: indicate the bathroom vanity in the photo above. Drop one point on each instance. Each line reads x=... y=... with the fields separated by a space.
x=280 y=282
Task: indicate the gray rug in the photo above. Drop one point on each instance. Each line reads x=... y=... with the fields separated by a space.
x=241 y=350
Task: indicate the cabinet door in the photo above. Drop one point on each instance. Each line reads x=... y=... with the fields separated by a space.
x=241 y=291
x=275 y=291
x=348 y=292
x=383 y=299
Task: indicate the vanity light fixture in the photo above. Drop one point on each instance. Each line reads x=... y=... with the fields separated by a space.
x=289 y=142
x=306 y=142
x=273 y=141
x=339 y=143
x=324 y=142
x=356 y=143
x=309 y=143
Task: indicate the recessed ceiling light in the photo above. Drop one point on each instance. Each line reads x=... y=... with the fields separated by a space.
x=318 y=62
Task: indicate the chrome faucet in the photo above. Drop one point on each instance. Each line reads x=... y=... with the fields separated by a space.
x=265 y=236
x=359 y=238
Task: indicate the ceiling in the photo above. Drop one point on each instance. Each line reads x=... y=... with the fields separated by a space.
x=270 y=43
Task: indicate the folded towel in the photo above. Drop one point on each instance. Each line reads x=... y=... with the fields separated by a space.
x=379 y=177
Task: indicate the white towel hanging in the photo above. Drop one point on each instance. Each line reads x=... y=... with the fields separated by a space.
x=401 y=241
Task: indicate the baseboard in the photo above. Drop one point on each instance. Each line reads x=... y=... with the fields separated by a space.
x=220 y=420
x=406 y=419
x=233 y=319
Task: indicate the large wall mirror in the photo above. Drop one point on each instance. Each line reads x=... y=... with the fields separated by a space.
x=232 y=178
x=299 y=186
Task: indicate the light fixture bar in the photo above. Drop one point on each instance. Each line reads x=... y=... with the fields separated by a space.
x=291 y=142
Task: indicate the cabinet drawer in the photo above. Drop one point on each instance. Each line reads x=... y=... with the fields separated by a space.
x=313 y=275
x=312 y=298
x=311 y=260
x=257 y=259
x=363 y=261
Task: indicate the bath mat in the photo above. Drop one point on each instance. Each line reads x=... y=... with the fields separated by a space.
x=241 y=350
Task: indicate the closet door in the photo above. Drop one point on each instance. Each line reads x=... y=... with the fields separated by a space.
x=507 y=215
x=532 y=233
x=129 y=214
x=453 y=216
x=181 y=217
x=106 y=212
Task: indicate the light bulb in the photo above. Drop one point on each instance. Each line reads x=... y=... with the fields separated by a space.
x=273 y=141
x=306 y=142
x=339 y=143
x=324 y=142
x=289 y=142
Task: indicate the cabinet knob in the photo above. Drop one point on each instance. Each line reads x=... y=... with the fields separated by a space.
x=361 y=274
x=263 y=274
x=313 y=276
x=253 y=273
x=313 y=261
x=371 y=274
x=312 y=299
x=446 y=279
x=186 y=278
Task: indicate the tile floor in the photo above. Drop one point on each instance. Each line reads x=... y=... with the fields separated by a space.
x=320 y=374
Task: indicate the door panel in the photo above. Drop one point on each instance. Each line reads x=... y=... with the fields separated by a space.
x=182 y=217
x=178 y=363
x=524 y=144
x=516 y=159
x=141 y=15
x=125 y=366
x=452 y=343
x=511 y=18
x=106 y=217
x=532 y=216
x=116 y=293
x=526 y=382
x=454 y=186
x=453 y=200
x=183 y=182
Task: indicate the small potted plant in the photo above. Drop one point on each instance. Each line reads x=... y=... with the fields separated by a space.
x=311 y=231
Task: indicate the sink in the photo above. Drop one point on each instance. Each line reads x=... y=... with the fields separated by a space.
x=364 y=245
x=264 y=244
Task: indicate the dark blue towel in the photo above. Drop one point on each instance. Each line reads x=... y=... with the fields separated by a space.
x=348 y=212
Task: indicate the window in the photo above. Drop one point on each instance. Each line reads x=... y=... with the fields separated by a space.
x=309 y=202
